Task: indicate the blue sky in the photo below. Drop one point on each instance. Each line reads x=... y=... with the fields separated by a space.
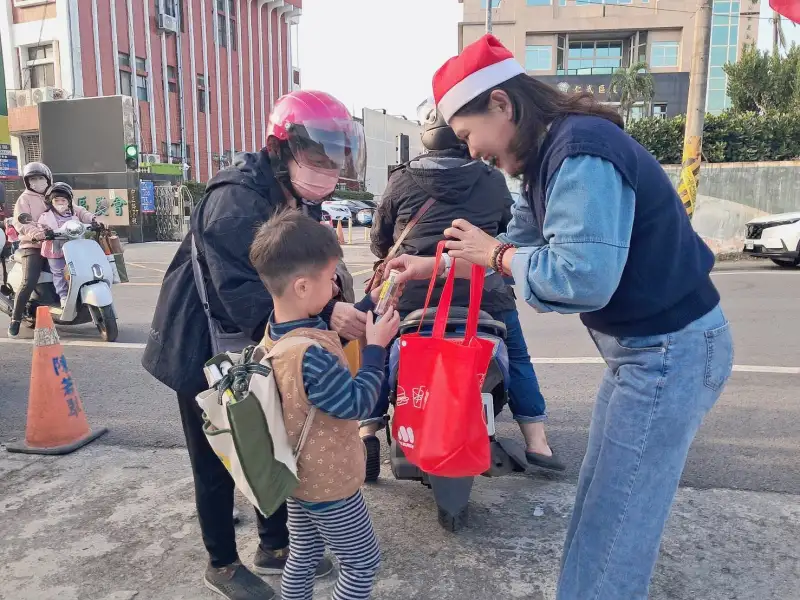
x=383 y=53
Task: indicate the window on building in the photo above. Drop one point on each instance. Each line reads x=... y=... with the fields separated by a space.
x=124 y=60
x=141 y=64
x=538 y=58
x=538 y=2
x=175 y=150
x=222 y=31
x=201 y=93
x=637 y=112
x=594 y=58
x=125 y=83
x=724 y=49
x=141 y=88
x=172 y=72
x=42 y=75
x=40 y=52
x=603 y=1
x=641 y=46
x=495 y=3
x=660 y=111
x=561 y=51
x=664 y=54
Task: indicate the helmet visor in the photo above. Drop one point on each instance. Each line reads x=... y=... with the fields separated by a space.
x=426 y=112
x=330 y=144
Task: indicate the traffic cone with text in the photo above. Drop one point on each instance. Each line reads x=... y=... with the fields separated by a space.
x=56 y=420
x=339 y=232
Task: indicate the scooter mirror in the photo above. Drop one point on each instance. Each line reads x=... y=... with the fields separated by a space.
x=25 y=218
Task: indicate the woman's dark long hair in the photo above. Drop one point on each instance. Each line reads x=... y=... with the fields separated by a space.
x=535 y=106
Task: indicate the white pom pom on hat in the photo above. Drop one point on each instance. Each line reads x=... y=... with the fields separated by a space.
x=482 y=65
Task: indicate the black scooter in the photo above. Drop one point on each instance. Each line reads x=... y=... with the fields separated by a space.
x=452 y=493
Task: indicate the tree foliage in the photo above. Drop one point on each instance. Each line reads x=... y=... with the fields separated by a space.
x=729 y=137
x=632 y=84
x=765 y=82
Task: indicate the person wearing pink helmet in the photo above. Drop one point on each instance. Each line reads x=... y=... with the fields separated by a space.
x=311 y=140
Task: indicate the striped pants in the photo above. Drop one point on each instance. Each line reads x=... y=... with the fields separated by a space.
x=347 y=530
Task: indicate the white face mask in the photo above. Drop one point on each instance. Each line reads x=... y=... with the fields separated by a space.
x=38 y=184
x=61 y=207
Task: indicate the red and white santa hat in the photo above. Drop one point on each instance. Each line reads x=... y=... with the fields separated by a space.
x=481 y=66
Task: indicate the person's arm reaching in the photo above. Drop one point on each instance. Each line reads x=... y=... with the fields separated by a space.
x=587 y=226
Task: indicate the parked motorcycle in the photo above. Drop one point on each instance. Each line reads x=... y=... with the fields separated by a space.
x=90 y=277
x=452 y=493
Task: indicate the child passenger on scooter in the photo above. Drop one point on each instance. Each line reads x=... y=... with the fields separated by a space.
x=296 y=258
x=59 y=211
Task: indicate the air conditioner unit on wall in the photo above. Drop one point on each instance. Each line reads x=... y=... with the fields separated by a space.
x=150 y=159
x=167 y=23
x=19 y=98
x=42 y=94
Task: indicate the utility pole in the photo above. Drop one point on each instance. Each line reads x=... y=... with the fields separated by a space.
x=489 y=15
x=696 y=109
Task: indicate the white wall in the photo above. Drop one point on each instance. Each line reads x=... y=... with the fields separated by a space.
x=381 y=131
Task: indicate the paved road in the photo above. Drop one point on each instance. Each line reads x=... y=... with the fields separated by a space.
x=720 y=544
x=751 y=440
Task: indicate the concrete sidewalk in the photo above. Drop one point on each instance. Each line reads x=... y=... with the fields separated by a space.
x=108 y=523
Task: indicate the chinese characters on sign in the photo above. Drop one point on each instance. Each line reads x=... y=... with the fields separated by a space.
x=67 y=386
x=111 y=205
x=577 y=89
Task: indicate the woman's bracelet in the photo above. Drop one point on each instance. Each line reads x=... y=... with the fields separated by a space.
x=496 y=263
x=500 y=255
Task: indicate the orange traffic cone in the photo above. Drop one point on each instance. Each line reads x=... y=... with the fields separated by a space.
x=56 y=420
x=339 y=232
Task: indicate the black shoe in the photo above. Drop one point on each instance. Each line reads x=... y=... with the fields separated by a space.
x=545 y=462
x=13 y=329
x=373 y=446
x=236 y=582
x=272 y=562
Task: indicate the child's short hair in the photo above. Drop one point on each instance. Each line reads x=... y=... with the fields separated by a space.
x=290 y=245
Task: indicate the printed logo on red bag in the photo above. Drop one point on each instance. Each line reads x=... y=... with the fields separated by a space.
x=405 y=436
x=420 y=396
x=402 y=399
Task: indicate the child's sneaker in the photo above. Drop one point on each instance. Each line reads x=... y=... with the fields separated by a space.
x=272 y=562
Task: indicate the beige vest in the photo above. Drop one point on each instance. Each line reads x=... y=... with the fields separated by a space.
x=332 y=464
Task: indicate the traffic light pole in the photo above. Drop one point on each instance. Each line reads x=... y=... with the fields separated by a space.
x=696 y=109
x=489 y=16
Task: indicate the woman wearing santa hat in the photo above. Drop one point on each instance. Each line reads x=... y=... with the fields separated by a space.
x=600 y=231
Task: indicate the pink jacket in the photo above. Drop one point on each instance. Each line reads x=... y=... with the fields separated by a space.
x=51 y=220
x=33 y=204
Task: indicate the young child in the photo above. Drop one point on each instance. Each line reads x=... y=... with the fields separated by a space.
x=296 y=257
x=60 y=210
x=12 y=235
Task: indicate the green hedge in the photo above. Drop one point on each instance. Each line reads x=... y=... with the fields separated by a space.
x=196 y=189
x=729 y=137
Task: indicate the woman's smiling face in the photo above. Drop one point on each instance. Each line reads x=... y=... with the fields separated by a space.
x=490 y=134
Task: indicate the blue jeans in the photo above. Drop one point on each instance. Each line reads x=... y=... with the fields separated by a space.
x=524 y=396
x=652 y=399
x=525 y=399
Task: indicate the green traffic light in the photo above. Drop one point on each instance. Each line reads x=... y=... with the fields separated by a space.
x=131 y=151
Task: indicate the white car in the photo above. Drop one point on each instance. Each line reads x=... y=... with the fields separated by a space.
x=776 y=237
x=335 y=211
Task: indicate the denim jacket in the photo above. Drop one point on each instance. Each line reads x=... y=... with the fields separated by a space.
x=574 y=263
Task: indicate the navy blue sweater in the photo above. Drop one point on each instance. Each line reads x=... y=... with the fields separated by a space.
x=665 y=284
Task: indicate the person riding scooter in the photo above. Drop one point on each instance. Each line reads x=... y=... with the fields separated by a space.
x=60 y=210
x=472 y=190
x=37 y=178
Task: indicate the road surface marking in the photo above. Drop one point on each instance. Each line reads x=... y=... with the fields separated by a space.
x=764 y=272
x=140 y=266
x=141 y=284
x=569 y=360
x=596 y=360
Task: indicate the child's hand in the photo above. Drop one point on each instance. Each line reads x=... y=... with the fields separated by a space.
x=382 y=332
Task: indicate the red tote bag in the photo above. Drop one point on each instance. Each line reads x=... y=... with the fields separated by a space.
x=438 y=419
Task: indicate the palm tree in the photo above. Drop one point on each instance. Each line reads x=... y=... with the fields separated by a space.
x=778 y=37
x=631 y=85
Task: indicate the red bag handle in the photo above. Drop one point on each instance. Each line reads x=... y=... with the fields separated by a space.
x=475 y=296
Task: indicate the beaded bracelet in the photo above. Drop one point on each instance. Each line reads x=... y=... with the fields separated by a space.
x=493 y=257
x=500 y=256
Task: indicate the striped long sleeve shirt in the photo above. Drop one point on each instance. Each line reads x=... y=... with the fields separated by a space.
x=328 y=384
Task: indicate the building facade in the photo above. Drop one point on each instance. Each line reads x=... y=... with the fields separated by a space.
x=576 y=45
x=203 y=74
x=381 y=131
